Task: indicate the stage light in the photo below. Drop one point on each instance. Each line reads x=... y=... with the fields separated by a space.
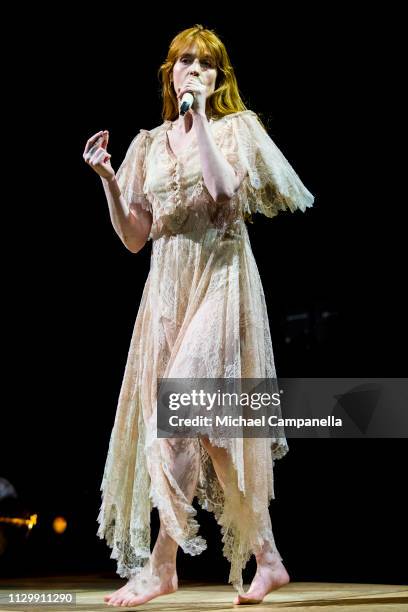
x=59 y=524
x=29 y=523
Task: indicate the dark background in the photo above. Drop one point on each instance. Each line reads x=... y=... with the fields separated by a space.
x=72 y=290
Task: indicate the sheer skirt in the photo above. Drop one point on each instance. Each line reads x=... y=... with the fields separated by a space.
x=202 y=315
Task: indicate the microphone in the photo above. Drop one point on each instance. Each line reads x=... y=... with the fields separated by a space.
x=186 y=102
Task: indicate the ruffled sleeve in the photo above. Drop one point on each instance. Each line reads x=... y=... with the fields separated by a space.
x=132 y=172
x=269 y=183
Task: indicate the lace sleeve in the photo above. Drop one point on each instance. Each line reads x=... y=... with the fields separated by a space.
x=269 y=183
x=132 y=172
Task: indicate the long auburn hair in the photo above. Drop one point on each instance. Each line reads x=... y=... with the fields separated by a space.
x=226 y=98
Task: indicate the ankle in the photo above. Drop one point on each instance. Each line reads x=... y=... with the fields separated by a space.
x=164 y=558
x=163 y=564
x=165 y=549
x=268 y=557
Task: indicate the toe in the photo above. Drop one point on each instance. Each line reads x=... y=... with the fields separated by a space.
x=113 y=602
x=130 y=601
x=247 y=599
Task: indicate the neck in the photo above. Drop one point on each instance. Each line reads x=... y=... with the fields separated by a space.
x=184 y=123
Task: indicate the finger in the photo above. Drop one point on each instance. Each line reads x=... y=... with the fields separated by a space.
x=90 y=156
x=92 y=142
x=99 y=157
x=189 y=90
x=194 y=79
x=96 y=146
x=106 y=158
x=185 y=90
x=105 y=139
x=192 y=85
x=93 y=138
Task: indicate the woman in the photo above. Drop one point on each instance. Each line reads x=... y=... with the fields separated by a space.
x=189 y=185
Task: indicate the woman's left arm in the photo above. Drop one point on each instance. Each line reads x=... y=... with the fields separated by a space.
x=219 y=176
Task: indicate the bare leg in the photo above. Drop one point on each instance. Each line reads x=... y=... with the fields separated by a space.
x=183 y=459
x=220 y=460
x=163 y=564
x=271 y=573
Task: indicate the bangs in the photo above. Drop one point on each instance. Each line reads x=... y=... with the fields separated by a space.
x=226 y=98
x=203 y=47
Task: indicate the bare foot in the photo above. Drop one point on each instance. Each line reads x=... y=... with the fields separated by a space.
x=146 y=586
x=117 y=593
x=158 y=576
x=270 y=575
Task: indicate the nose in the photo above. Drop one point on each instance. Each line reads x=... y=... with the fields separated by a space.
x=195 y=67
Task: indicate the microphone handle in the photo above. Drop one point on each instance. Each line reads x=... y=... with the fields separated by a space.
x=186 y=103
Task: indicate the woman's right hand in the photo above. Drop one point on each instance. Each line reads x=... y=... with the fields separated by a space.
x=96 y=155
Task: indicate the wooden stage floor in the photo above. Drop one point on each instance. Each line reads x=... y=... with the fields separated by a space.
x=200 y=597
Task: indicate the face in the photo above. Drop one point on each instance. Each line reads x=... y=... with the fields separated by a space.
x=189 y=61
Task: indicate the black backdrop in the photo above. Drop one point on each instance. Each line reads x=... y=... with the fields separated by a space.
x=73 y=290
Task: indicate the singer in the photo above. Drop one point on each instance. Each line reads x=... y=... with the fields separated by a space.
x=189 y=185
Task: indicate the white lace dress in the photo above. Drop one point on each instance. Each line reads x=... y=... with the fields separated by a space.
x=202 y=315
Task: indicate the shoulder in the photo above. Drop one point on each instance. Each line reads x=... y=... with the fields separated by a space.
x=146 y=136
x=241 y=115
x=243 y=122
x=154 y=131
x=245 y=115
x=243 y=119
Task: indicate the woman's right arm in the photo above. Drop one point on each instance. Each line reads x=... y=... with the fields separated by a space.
x=132 y=227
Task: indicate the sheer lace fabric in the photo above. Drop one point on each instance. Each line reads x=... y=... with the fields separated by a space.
x=148 y=579
x=202 y=315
